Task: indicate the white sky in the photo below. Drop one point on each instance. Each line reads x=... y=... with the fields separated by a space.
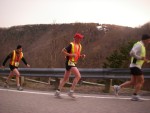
x=132 y=13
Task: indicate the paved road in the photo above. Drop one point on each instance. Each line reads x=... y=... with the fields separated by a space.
x=13 y=101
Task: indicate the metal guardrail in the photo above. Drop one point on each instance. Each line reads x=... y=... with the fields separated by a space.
x=99 y=73
x=110 y=73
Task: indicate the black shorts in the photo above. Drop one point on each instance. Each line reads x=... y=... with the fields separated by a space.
x=68 y=67
x=135 y=71
x=12 y=67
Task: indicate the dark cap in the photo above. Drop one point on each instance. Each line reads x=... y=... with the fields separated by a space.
x=19 y=46
x=145 y=37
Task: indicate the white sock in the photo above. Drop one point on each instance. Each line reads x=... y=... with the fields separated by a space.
x=71 y=91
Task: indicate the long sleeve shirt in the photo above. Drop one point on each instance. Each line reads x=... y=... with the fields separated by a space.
x=10 y=56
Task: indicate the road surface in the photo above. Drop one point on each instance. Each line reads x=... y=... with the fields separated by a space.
x=32 y=101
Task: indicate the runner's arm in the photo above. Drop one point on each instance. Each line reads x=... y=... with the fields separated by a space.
x=67 y=50
x=6 y=59
x=135 y=52
x=24 y=61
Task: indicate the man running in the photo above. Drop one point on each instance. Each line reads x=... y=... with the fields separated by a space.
x=138 y=57
x=72 y=53
x=15 y=56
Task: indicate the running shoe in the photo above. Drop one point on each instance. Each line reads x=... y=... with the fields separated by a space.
x=57 y=94
x=135 y=98
x=19 y=88
x=71 y=94
x=6 y=85
x=116 y=89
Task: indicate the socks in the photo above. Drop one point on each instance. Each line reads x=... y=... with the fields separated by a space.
x=71 y=91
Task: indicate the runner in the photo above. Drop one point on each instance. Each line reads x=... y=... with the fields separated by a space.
x=72 y=53
x=15 y=56
x=138 y=57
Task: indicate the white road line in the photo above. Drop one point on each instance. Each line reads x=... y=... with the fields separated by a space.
x=77 y=95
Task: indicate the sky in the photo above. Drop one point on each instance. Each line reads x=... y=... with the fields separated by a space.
x=131 y=13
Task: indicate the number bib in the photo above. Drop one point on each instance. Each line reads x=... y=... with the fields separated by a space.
x=71 y=63
x=16 y=64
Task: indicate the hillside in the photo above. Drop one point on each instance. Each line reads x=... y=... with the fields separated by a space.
x=42 y=44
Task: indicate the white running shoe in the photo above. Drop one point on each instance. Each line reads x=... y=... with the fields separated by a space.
x=71 y=94
x=136 y=98
x=116 y=89
x=57 y=94
x=19 y=88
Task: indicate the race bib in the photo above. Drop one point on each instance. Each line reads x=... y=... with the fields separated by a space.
x=71 y=63
x=16 y=64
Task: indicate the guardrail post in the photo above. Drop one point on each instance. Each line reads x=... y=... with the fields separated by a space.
x=108 y=85
x=22 y=80
x=56 y=83
x=49 y=80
